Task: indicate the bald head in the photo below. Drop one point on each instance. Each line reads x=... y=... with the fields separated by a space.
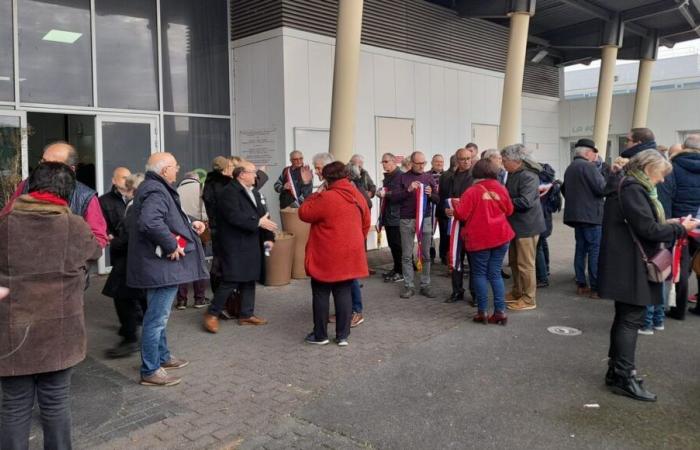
x=119 y=177
x=163 y=164
x=61 y=152
x=674 y=149
x=245 y=173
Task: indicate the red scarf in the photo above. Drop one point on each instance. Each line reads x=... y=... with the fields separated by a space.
x=48 y=197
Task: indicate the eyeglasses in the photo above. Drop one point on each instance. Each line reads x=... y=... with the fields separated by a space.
x=297 y=159
x=385 y=162
x=416 y=163
x=177 y=167
x=463 y=159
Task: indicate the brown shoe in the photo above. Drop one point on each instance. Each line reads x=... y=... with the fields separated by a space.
x=521 y=305
x=356 y=320
x=160 y=378
x=211 y=323
x=583 y=290
x=510 y=298
x=331 y=318
x=594 y=295
x=174 y=363
x=252 y=320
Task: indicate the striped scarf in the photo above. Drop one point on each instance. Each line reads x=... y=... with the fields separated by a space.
x=644 y=180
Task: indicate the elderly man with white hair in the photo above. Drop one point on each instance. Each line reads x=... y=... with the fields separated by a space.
x=584 y=189
x=360 y=176
x=164 y=252
x=527 y=221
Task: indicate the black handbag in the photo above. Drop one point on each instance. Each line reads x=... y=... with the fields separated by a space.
x=660 y=265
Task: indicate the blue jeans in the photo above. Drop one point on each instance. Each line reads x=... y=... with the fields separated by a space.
x=486 y=268
x=542 y=260
x=154 y=344
x=587 y=245
x=356 y=294
x=654 y=316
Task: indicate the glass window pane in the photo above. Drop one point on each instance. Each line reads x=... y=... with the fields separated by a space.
x=127 y=55
x=196 y=141
x=55 y=52
x=10 y=156
x=124 y=145
x=195 y=56
x=7 y=90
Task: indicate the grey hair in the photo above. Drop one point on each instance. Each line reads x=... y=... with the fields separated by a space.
x=325 y=158
x=134 y=180
x=193 y=175
x=390 y=156
x=360 y=157
x=293 y=152
x=490 y=153
x=581 y=151
x=515 y=152
x=72 y=159
x=649 y=158
x=692 y=141
x=158 y=167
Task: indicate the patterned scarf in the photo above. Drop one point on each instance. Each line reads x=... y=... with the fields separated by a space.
x=644 y=180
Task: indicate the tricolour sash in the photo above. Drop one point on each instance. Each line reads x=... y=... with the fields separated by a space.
x=453 y=259
x=288 y=171
x=421 y=203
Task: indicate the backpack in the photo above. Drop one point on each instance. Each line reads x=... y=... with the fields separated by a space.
x=553 y=200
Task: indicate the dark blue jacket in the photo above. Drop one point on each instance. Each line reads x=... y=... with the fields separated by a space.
x=158 y=217
x=391 y=214
x=680 y=191
x=584 y=190
x=632 y=151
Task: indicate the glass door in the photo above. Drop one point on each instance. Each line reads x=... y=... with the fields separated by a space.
x=13 y=152
x=122 y=141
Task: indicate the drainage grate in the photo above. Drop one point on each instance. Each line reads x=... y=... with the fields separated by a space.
x=564 y=331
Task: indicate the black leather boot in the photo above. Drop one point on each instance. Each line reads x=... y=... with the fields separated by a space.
x=455 y=297
x=631 y=387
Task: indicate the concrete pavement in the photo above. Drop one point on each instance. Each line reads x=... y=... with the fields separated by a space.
x=418 y=374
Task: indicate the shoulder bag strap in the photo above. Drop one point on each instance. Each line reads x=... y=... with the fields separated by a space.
x=622 y=210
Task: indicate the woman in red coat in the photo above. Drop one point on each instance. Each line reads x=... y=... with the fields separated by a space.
x=483 y=209
x=335 y=251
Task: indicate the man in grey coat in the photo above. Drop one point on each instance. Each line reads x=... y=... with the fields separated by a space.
x=164 y=252
x=527 y=222
x=584 y=188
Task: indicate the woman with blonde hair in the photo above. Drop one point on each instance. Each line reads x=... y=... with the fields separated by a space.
x=634 y=229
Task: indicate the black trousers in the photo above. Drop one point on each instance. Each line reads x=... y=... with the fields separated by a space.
x=224 y=291
x=342 y=298
x=682 y=285
x=458 y=275
x=52 y=391
x=393 y=237
x=130 y=312
x=444 y=237
x=623 y=337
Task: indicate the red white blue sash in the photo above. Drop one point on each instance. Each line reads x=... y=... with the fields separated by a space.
x=293 y=189
x=453 y=226
x=380 y=219
x=421 y=201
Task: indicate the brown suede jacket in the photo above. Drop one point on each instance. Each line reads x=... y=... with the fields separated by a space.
x=44 y=253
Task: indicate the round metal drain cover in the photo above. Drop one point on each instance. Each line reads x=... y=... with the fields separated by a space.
x=564 y=331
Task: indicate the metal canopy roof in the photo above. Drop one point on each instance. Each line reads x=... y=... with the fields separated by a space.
x=565 y=32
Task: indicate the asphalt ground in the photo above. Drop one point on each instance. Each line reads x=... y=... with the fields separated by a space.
x=418 y=374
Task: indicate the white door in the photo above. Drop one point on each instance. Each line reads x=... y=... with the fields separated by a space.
x=125 y=141
x=485 y=136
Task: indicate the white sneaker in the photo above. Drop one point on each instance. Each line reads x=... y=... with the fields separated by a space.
x=645 y=331
x=659 y=327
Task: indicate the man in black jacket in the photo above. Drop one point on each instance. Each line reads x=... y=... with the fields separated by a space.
x=584 y=189
x=295 y=182
x=453 y=186
x=113 y=203
x=245 y=232
x=638 y=140
x=390 y=214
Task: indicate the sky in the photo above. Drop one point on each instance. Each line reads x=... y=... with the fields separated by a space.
x=680 y=49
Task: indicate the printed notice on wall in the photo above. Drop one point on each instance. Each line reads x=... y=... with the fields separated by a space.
x=259 y=146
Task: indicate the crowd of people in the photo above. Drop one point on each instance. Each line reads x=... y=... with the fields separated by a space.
x=633 y=220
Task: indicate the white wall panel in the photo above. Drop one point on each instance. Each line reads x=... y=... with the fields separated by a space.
x=320 y=69
x=436 y=92
x=455 y=132
x=424 y=120
x=405 y=88
x=384 y=86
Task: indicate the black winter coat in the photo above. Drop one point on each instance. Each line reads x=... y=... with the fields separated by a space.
x=115 y=286
x=158 y=218
x=680 y=191
x=621 y=271
x=238 y=237
x=584 y=188
x=391 y=215
x=113 y=208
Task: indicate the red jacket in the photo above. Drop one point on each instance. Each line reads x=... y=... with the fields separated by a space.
x=483 y=209
x=340 y=220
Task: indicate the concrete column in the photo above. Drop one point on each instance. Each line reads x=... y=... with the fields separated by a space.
x=512 y=101
x=603 y=103
x=641 y=98
x=345 y=74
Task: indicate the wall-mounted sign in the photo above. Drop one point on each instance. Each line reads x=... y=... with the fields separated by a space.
x=259 y=146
